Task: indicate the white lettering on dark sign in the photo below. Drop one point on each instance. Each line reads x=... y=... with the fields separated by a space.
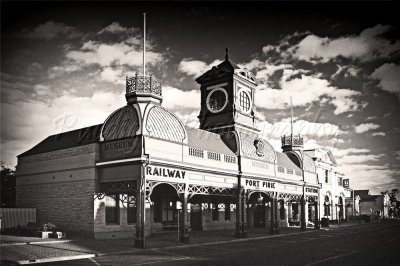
x=165 y=172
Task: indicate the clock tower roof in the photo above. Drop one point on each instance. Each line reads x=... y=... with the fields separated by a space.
x=227 y=67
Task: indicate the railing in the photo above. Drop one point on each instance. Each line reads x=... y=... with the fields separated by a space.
x=297 y=140
x=143 y=84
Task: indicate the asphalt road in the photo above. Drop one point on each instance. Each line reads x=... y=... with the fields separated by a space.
x=369 y=244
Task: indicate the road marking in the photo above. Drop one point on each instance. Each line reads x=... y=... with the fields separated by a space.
x=64 y=258
x=95 y=262
x=332 y=258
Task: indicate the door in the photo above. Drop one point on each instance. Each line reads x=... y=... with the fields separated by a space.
x=196 y=217
x=259 y=216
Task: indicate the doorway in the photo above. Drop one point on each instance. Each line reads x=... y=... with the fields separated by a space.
x=196 y=217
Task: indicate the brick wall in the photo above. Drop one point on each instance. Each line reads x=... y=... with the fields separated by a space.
x=68 y=205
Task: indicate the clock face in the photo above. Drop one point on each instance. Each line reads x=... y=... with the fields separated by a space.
x=245 y=101
x=217 y=100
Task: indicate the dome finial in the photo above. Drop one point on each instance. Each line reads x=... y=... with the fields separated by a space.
x=227 y=54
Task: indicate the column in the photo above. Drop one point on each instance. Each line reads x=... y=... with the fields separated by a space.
x=184 y=234
x=303 y=212
x=272 y=221
x=140 y=240
x=277 y=213
x=316 y=222
x=241 y=226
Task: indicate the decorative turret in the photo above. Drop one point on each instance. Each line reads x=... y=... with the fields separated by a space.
x=143 y=89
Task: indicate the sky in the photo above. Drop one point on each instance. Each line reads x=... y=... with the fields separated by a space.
x=63 y=67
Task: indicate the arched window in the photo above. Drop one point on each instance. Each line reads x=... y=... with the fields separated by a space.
x=244 y=101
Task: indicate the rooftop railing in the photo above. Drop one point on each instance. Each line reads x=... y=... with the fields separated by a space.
x=287 y=140
x=143 y=84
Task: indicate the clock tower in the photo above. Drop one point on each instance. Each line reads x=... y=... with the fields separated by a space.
x=227 y=98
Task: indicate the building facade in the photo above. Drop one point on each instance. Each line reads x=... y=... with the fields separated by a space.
x=375 y=205
x=143 y=171
x=335 y=191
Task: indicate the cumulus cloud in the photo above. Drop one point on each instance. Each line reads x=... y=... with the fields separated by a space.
x=105 y=54
x=51 y=30
x=305 y=90
x=366 y=46
x=195 y=67
x=176 y=99
x=361 y=128
x=389 y=77
x=303 y=127
x=22 y=134
x=114 y=27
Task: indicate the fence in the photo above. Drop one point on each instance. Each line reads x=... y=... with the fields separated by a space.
x=12 y=217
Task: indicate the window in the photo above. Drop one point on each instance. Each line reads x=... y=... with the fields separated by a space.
x=339 y=181
x=326 y=176
x=196 y=152
x=216 y=100
x=112 y=209
x=289 y=171
x=327 y=209
x=214 y=156
x=281 y=169
x=215 y=212
x=227 y=212
x=131 y=209
x=244 y=101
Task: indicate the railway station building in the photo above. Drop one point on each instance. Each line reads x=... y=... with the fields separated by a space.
x=143 y=171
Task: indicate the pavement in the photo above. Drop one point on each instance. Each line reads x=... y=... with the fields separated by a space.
x=29 y=250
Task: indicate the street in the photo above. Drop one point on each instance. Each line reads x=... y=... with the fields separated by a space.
x=368 y=244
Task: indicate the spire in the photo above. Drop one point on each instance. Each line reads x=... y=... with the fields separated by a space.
x=142 y=88
x=144 y=44
x=291 y=118
x=226 y=54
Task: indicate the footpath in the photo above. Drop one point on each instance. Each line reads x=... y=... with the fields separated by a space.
x=17 y=250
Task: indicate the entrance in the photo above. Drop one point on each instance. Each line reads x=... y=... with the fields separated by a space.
x=259 y=216
x=166 y=203
x=196 y=217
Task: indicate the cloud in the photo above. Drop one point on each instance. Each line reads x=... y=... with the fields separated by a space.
x=51 y=30
x=303 y=127
x=114 y=27
x=176 y=99
x=338 y=153
x=389 y=77
x=195 y=67
x=363 y=158
x=305 y=90
x=382 y=134
x=18 y=135
x=366 y=127
x=366 y=46
x=117 y=54
x=113 y=75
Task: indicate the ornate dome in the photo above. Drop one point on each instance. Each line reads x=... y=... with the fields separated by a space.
x=257 y=148
x=309 y=164
x=163 y=124
x=123 y=123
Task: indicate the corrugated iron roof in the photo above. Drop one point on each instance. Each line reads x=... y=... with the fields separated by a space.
x=66 y=140
x=202 y=139
x=284 y=160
